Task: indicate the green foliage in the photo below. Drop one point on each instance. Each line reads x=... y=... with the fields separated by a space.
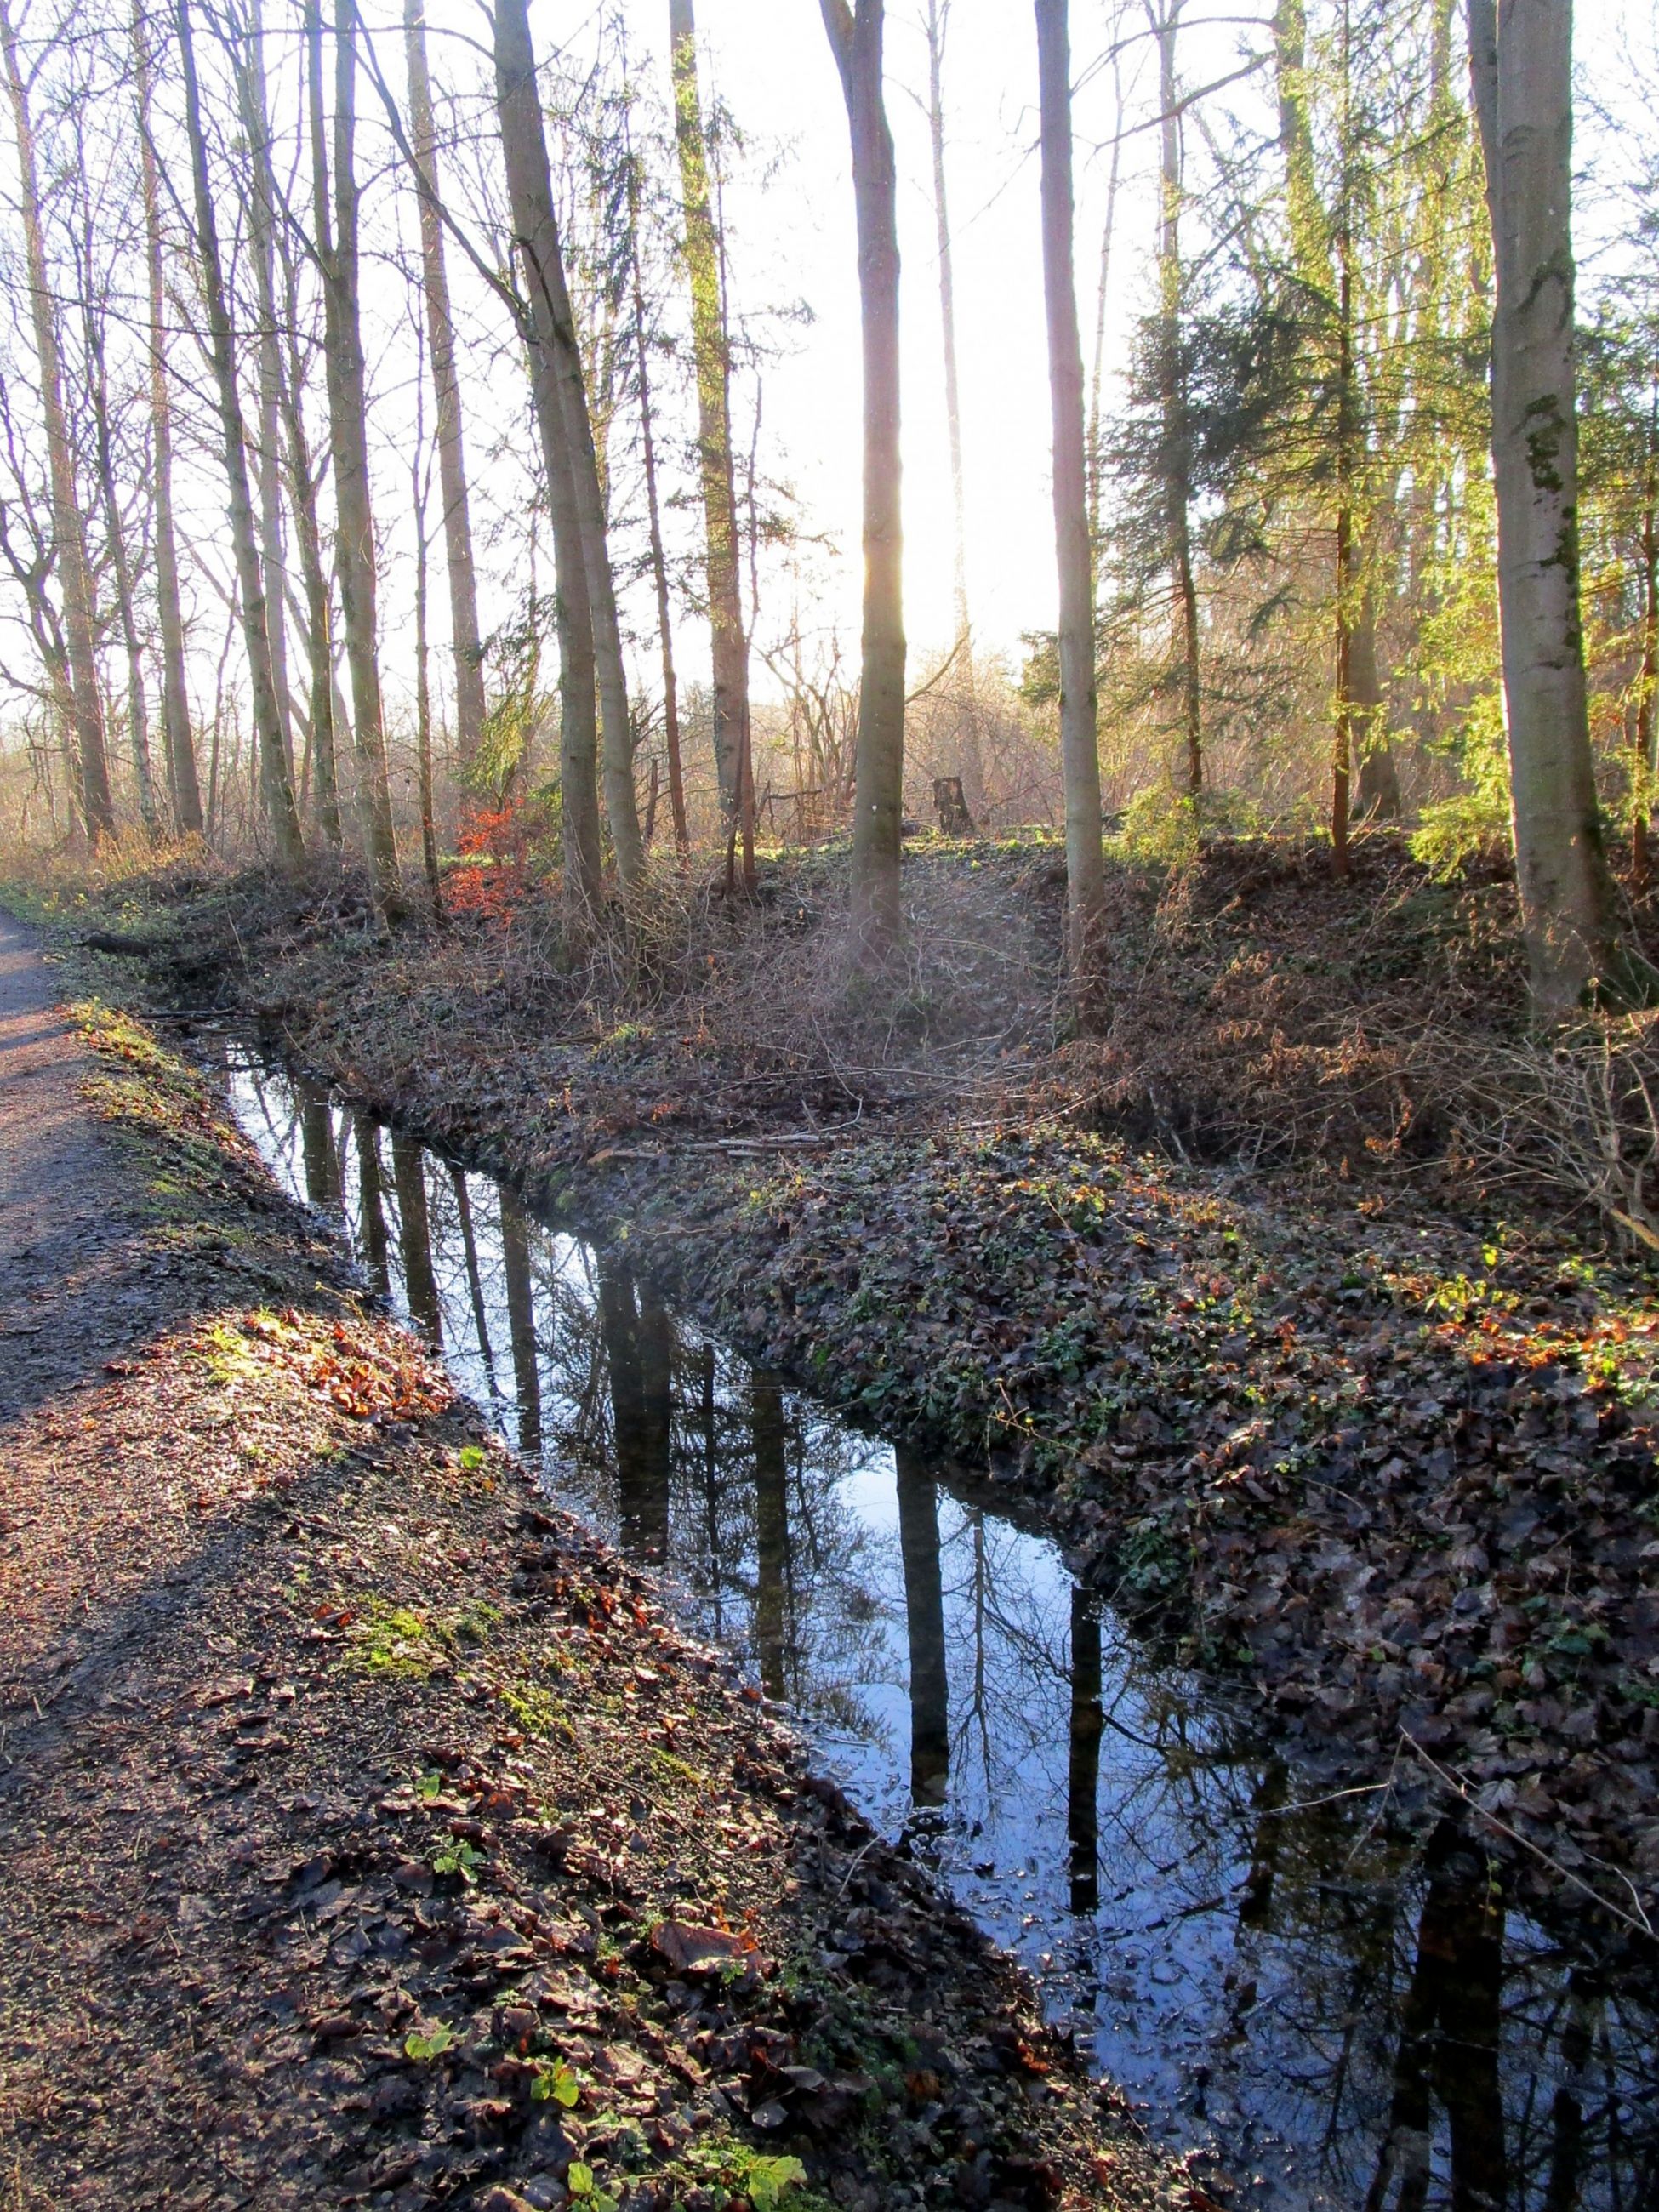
x=580 y=2181
x=1473 y=821
x=432 y=2044
x=459 y=1858
x=557 y=2083
x=1161 y=828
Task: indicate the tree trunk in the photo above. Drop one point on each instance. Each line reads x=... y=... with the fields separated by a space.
x=182 y=787
x=274 y=783
x=354 y=551
x=446 y=384
x=970 y=759
x=1342 y=748
x=325 y=723
x=671 y=702
x=423 y=684
x=1096 y=467
x=1521 y=55
x=1085 y=882
x=713 y=372
x=1642 y=778
x=530 y=190
x=115 y=529
x=530 y=186
x=250 y=63
x=68 y=523
x=1177 y=487
x=855 y=37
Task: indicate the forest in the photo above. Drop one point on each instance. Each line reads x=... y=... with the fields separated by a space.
x=830 y=1105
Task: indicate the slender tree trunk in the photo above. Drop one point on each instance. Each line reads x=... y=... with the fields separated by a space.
x=855 y=37
x=115 y=529
x=1347 y=440
x=971 y=759
x=354 y=550
x=274 y=784
x=530 y=188
x=326 y=724
x=1521 y=54
x=1342 y=747
x=671 y=700
x=1097 y=470
x=183 y=787
x=1177 y=488
x=516 y=65
x=262 y=226
x=68 y=523
x=1642 y=814
x=1085 y=880
x=446 y=384
x=714 y=371
x=423 y=684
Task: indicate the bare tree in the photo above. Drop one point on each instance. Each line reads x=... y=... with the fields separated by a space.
x=671 y=705
x=713 y=363
x=1520 y=56
x=535 y=228
x=1079 y=747
x=447 y=388
x=347 y=414
x=275 y=782
x=304 y=482
x=855 y=38
x=182 y=784
x=1164 y=18
x=67 y=522
x=972 y=763
x=555 y=328
x=248 y=54
x=92 y=290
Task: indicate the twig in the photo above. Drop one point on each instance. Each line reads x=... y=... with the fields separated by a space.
x=1638 y=1921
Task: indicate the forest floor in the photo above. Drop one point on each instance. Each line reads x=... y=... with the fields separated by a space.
x=370 y=1836
x=1268 y=1297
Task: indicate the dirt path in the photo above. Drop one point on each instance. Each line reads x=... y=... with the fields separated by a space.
x=369 y=1836
x=62 y=1198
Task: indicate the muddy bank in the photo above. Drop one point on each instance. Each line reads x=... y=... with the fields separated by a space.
x=1389 y=1470
x=372 y=1836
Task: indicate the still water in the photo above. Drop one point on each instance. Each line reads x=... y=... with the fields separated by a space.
x=1328 y=2008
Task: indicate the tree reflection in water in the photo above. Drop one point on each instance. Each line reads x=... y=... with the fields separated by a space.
x=1348 y=2015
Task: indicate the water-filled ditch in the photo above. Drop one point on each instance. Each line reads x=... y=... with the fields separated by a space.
x=1336 y=2007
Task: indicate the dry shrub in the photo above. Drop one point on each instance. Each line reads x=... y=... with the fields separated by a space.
x=1578 y=1115
x=1261 y=1009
